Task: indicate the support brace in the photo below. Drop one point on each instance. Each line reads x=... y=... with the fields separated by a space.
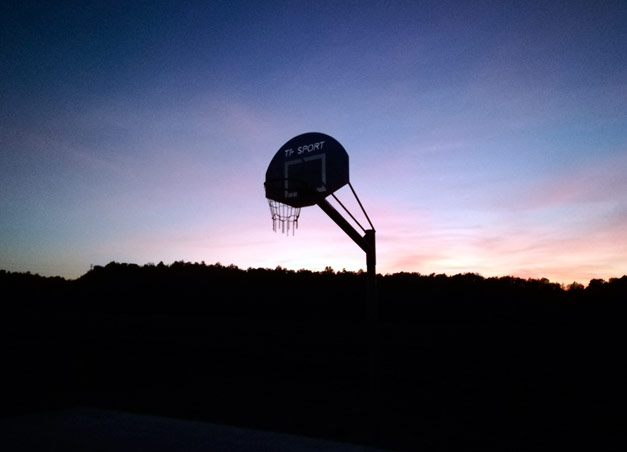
x=366 y=242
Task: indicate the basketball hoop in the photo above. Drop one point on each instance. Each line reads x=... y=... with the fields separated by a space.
x=281 y=194
x=284 y=215
x=304 y=172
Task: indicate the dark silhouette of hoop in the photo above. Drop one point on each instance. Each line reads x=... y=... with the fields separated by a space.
x=304 y=172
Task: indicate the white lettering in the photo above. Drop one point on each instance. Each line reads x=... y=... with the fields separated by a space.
x=300 y=150
x=309 y=148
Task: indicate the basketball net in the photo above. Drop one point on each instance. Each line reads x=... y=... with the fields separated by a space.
x=284 y=216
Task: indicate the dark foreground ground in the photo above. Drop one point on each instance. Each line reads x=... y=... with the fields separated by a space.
x=85 y=429
x=466 y=363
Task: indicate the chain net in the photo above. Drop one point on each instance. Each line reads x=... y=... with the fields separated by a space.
x=283 y=216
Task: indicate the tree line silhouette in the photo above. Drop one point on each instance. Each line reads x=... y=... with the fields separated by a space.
x=467 y=361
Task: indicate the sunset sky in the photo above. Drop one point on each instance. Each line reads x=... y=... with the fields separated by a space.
x=485 y=137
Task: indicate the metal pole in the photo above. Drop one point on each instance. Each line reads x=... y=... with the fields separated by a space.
x=373 y=321
x=371 y=253
x=374 y=314
x=374 y=337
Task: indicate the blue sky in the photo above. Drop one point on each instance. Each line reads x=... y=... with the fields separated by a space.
x=486 y=137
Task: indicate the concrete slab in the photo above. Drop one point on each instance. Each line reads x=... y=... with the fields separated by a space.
x=87 y=429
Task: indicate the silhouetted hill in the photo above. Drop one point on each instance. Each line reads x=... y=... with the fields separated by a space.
x=467 y=362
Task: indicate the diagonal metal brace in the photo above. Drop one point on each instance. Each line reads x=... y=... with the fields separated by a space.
x=366 y=242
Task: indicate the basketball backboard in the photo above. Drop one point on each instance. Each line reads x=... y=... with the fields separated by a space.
x=306 y=169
